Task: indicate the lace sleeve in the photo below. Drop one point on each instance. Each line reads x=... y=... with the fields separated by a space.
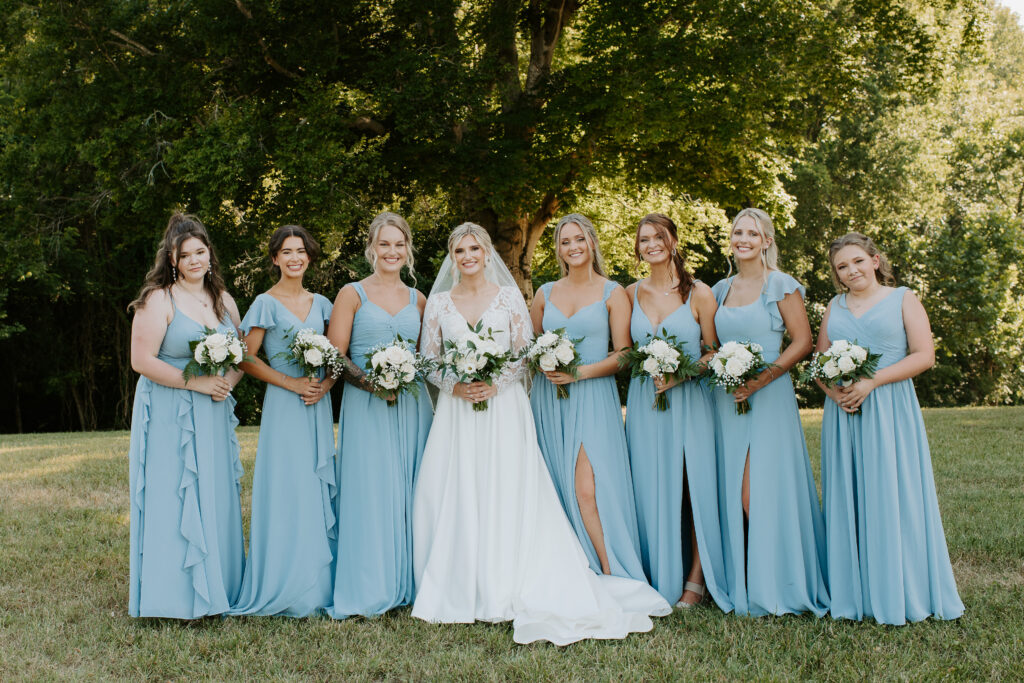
x=431 y=343
x=520 y=335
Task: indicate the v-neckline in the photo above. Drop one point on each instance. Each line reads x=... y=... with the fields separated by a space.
x=386 y=312
x=578 y=310
x=285 y=307
x=662 y=321
x=482 y=313
x=846 y=304
x=178 y=311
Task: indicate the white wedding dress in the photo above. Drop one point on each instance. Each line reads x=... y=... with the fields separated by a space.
x=490 y=539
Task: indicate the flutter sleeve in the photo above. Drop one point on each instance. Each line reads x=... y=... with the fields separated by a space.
x=430 y=343
x=520 y=335
x=260 y=314
x=775 y=290
x=720 y=290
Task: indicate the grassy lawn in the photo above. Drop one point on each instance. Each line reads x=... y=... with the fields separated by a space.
x=64 y=593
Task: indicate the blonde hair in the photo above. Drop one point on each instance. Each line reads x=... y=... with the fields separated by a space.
x=469 y=230
x=766 y=228
x=373 y=232
x=596 y=260
x=856 y=239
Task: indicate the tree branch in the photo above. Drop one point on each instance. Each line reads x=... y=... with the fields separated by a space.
x=274 y=64
x=139 y=47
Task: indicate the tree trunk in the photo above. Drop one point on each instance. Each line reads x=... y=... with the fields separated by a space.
x=516 y=239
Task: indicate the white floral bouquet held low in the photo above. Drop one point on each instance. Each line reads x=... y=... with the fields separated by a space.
x=476 y=357
x=394 y=367
x=554 y=352
x=312 y=352
x=214 y=354
x=733 y=365
x=842 y=364
x=660 y=357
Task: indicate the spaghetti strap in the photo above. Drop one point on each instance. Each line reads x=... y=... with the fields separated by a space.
x=412 y=296
x=360 y=291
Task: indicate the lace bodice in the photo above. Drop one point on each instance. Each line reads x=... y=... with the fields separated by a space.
x=506 y=315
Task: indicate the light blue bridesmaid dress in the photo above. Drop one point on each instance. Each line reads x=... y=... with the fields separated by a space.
x=887 y=554
x=186 y=545
x=590 y=417
x=292 y=532
x=661 y=445
x=781 y=568
x=379 y=451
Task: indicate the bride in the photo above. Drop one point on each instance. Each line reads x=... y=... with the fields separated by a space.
x=490 y=539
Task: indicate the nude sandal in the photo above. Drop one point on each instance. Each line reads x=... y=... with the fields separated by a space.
x=697 y=588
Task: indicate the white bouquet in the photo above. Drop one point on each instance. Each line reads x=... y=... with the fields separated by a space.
x=214 y=354
x=554 y=352
x=394 y=367
x=312 y=352
x=476 y=357
x=734 y=365
x=842 y=364
x=660 y=357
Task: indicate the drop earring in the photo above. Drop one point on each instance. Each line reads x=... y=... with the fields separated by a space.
x=174 y=274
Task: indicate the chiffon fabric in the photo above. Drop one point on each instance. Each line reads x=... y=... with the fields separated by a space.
x=589 y=419
x=379 y=450
x=664 y=448
x=292 y=531
x=186 y=547
x=780 y=568
x=491 y=541
x=887 y=555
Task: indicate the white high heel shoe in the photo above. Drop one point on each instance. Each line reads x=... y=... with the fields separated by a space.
x=697 y=588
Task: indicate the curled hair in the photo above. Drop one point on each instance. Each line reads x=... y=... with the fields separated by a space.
x=666 y=228
x=373 y=232
x=596 y=260
x=765 y=226
x=856 y=239
x=181 y=227
x=468 y=230
x=284 y=232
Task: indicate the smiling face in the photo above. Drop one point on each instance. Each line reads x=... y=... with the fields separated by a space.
x=746 y=241
x=469 y=256
x=573 y=248
x=192 y=260
x=653 y=245
x=855 y=268
x=292 y=258
x=390 y=249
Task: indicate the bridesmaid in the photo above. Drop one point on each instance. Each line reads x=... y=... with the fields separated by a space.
x=186 y=549
x=582 y=436
x=672 y=452
x=292 y=531
x=773 y=532
x=379 y=446
x=887 y=554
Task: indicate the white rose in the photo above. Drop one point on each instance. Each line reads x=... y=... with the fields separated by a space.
x=846 y=364
x=548 y=362
x=218 y=353
x=235 y=348
x=408 y=375
x=718 y=365
x=658 y=347
x=839 y=345
x=217 y=340
x=830 y=369
x=651 y=366
x=313 y=357
x=198 y=353
x=489 y=347
x=547 y=339
x=670 y=364
x=564 y=354
x=735 y=367
x=743 y=356
x=729 y=348
x=859 y=353
x=378 y=359
x=394 y=355
x=388 y=380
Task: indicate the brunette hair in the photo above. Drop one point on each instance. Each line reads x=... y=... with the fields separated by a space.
x=596 y=260
x=284 y=232
x=667 y=229
x=856 y=239
x=376 y=225
x=162 y=275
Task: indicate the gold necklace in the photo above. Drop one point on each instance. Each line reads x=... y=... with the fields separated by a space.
x=201 y=301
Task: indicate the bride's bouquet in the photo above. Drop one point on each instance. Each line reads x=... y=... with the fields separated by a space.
x=394 y=367
x=660 y=357
x=554 y=352
x=214 y=354
x=476 y=357
x=734 y=365
x=842 y=364
x=312 y=352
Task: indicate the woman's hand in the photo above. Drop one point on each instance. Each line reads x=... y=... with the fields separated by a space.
x=852 y=396
x=661 y=385
x=744 y=392
x=309 y=390
x=559 y=378
x=217 y=388
x=474 y=392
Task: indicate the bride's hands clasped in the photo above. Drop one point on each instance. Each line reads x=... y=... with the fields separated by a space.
x=474 y=392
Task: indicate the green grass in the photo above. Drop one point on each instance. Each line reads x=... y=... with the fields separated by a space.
x=64 y=593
